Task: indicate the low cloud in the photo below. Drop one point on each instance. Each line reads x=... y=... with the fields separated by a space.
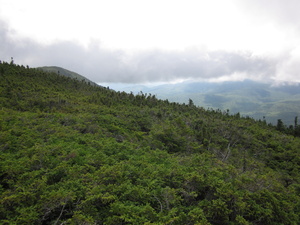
x=103 y=65
x=196 y=64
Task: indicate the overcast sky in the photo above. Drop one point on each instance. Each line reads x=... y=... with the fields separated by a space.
x=145 y=41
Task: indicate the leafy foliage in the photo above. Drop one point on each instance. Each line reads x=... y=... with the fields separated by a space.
x=74 y=153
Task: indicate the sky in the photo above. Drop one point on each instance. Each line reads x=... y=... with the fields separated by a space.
x=156 y=41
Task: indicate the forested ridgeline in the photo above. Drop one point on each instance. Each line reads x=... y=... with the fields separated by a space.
x=75 y=153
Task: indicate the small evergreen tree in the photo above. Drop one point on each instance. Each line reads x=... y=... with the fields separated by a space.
x=280 y=125
x=191 y=103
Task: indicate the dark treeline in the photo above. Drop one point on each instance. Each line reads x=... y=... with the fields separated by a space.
x=76 y=153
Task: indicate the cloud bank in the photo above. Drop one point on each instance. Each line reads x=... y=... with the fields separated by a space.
x=104 y=65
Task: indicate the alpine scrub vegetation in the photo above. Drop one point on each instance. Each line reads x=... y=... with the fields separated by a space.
x=76 y=153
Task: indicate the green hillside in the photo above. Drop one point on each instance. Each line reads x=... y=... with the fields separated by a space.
x=75 y=153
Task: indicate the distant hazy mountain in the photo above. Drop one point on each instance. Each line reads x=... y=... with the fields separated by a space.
x=254 y=99
x=65 y=72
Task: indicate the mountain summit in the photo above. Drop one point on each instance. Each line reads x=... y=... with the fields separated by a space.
x=65 y=72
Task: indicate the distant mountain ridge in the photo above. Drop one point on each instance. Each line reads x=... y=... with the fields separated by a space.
x=249 y=98
x=67 y=73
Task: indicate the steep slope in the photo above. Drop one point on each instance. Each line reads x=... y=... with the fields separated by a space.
x=74 y=153
x=65 y=72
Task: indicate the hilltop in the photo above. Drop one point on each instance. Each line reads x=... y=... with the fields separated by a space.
x=75 y=153
x=65 y=72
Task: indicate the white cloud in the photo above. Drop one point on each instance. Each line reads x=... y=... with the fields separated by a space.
x=155 y=41
x=288 y=67
x=143 y=24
